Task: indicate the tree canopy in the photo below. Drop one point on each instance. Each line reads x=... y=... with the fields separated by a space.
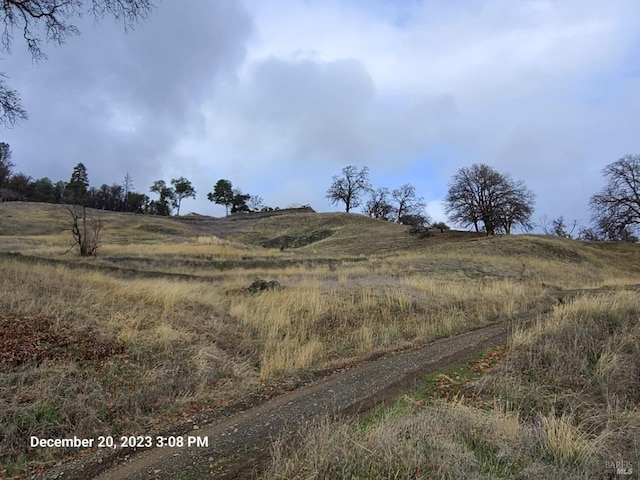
x=166 y=198
x=407 y=203
x=222 y=194
x=349 y=187
x=378 y=204
x=77 y=188
x=488 y=200
x=616 y=208
x=182 y=189
x=5 y=163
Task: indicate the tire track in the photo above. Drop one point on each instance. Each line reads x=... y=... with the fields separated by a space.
x=343 y=394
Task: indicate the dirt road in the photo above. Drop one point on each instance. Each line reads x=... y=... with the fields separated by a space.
x=344 y=393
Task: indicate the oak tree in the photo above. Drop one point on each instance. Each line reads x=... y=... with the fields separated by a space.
x=407 y=203
x=222 y=194
x=488 y=200
x=378 y=204
x=349 y=187
x=616 y=208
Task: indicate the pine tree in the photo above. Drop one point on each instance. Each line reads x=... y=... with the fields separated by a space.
x=76 y=189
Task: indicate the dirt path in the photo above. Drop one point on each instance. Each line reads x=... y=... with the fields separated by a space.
x=237 y=443
x=345 y=393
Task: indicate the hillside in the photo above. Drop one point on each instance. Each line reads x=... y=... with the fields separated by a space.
x=160 y=326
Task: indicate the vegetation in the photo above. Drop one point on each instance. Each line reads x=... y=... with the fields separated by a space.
x=408 y=204
x=5 y=163
x=400 y=205
x=378 y=205
x=482 y=197
x=172 y=332
x=182 y=189
x=77 y=188
x=562 y=404
x=85 y=232
x=350 y=187
x=616 y=209
x=224 y=194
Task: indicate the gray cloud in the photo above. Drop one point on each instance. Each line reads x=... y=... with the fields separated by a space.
x=320 y=107
x=121 y=102
x=279 y=96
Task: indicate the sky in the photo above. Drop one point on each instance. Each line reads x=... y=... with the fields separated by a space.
x=279 y=96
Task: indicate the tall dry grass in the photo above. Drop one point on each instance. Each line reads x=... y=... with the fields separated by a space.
x=563 y=405
x=179 y=351
x=309 y=322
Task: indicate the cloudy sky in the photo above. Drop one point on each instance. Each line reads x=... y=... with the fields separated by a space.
x=279 y=96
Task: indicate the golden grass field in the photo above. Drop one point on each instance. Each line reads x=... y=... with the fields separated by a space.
x=159 y=326
x=563 y=404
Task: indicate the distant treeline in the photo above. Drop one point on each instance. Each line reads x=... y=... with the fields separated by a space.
x=115 y=197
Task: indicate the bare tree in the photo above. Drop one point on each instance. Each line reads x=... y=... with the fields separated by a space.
x=255 y=203
x=557 y=226
x=378 y=205
x=350 y=187
x=407 y=202
x=515 y=206
x=51 y=21
x=616 y=208
x=488 y=200
x=589 y=234
x=560 y=228
x=85 y=232
x=544 y=223
x=127 y=187
x=11 y=110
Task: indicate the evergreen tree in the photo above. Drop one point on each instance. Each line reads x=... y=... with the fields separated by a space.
x=78 y=186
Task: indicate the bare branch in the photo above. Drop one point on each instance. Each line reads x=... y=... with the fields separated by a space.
x=616 y=208
x=85 y=235
x=350 y=187
x=43 y=21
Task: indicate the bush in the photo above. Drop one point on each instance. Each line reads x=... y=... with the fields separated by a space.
x=420 y=232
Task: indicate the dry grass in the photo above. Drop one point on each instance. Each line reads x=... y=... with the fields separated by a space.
x=305 y=324
x=172 y=291
x=563 y=405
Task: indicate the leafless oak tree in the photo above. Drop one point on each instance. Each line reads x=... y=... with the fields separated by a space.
x=378 y=204
x=488 y=200
x=350 y=187
x=407 y=202
x=616 y=208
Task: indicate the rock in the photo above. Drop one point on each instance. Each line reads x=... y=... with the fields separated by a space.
x=261 y=285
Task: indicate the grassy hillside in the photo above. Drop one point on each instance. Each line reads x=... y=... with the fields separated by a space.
x=562 y=404
x=159 y=324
